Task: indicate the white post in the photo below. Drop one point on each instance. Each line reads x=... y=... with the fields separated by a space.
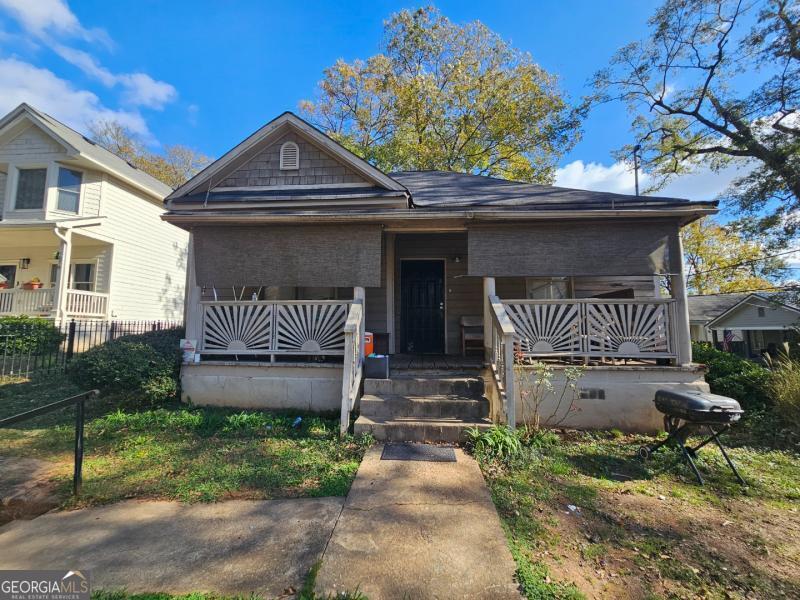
x=488 y=290
x=678 y=285
x=193 y=310
x=65 y=256
x=511 y=388
x=360 y=295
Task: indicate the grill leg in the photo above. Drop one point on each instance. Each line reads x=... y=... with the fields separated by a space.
x=715 y=437
x=687 y=453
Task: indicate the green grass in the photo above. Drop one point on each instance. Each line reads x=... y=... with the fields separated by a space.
x=184 y=453
x=595 y=472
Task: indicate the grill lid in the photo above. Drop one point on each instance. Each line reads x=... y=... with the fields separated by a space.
x=669 y=401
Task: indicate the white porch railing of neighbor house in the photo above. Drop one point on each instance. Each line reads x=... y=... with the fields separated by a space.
x=593 y=328
x=353 y=362
x=26 y=302
x=503 y=339
x=287 y=327
x=86 y=304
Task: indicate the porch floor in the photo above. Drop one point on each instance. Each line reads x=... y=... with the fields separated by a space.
x=424 y=362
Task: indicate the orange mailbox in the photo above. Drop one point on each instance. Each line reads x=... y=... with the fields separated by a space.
x=369 y=344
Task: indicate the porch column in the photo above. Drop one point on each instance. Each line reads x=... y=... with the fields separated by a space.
x=360 y=295
x=193 y=310
x=65 y=256
x=683 y=343
x=488 y=290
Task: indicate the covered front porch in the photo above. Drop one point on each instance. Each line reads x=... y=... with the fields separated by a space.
x=302 y=345
x=54 y=272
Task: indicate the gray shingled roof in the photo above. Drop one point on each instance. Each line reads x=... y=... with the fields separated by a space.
x=92 y=151
x=444 y=189
x=704 y=308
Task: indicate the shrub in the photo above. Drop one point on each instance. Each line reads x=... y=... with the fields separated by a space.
x=733 y=376
x=784 y=385
x=497 y=442
x=145 y=366
x=29 y=335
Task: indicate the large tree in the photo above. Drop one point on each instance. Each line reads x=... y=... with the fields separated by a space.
x=446 y=96
x=720 y=260
x=716 y=82
x=174 y=166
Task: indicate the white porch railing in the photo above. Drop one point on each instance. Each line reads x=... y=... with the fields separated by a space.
x=353 y=363
x=80 y=303
x=26 y=302
x=593 y=328
x=502 y=340
x=303 y=327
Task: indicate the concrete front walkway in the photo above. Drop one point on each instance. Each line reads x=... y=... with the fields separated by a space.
x=232 y=548
x=418 y=530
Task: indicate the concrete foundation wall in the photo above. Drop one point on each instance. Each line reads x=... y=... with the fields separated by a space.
x=316 y=388
x=613 y=397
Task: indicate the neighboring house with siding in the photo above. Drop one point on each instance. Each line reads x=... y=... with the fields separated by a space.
x=81 y=234
x=754 y=323
x=298 y=247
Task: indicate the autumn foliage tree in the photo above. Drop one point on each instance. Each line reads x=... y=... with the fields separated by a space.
x=717 y=83
x=174 y=166
x=446 y=96
x=719 y=260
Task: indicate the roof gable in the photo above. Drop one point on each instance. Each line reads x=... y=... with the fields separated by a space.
x=78 y=145
x=316 y=167
x=253 y=162
x=737 y=314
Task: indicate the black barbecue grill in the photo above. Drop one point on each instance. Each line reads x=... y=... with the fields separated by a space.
x=690 y=412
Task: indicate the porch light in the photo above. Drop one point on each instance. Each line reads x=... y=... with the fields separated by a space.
x=24 y=263
x=456 y=259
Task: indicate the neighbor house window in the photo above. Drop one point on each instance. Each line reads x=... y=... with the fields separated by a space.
x=69 y=189
x=31 y=185
x=54 y=275
x=761 y=311
x=83 y=277
x=290 y=156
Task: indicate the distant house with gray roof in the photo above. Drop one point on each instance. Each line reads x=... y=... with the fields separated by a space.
x=754 y=323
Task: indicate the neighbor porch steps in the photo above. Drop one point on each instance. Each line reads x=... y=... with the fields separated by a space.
x=423 y=407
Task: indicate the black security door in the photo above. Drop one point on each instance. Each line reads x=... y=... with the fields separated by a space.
x=422 y=306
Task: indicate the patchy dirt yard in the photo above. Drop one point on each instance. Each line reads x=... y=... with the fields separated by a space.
x=587 y=518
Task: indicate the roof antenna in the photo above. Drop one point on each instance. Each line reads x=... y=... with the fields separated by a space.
x=636 y=149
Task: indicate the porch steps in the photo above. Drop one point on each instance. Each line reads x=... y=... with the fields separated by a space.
x=423 y=406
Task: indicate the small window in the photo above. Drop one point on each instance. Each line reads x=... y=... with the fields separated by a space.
x=83 y=277
x=54 y=275
x=69 y=189
x=30 y=189
x=290 y=157
x=761 y=311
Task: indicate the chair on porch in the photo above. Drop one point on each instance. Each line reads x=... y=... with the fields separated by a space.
x=471 y=334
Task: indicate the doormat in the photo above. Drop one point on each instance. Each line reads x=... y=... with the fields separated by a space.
x=425 y=452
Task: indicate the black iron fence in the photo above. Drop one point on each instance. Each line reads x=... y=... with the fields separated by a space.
x=42 y=346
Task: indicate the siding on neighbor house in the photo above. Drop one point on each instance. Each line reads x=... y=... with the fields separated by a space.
x=148 y=260
x=316 y=167
x=31 y=145
x=3 y=179
x=746 y=316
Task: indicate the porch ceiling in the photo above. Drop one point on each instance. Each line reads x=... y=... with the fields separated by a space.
x=39 y=237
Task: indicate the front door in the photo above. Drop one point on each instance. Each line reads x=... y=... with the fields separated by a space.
x=422 y=306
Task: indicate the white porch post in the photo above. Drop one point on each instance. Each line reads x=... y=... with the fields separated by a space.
x=360 y=295
x=683 y=342
x=193 y=310
x=488 y=291
x=65 y=256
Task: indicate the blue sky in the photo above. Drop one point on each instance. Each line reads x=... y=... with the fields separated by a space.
x=207 y=74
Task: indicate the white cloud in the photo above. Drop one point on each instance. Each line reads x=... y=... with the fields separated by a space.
x=704 y=184
x=143 y=90
x=50 y=21
x=23 y=82
x=51 y=16
x=140 y=88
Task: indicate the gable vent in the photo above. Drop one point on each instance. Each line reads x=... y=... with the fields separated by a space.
x=290 y=156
